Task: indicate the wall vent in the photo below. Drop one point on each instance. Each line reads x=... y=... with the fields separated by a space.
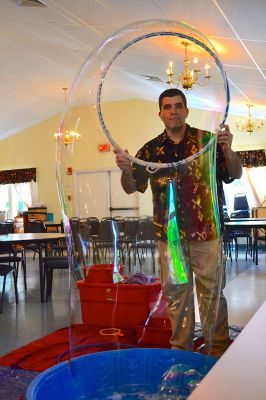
x=152 y=78
x=28 y=3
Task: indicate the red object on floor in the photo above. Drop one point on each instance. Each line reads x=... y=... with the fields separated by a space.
x=49 y=350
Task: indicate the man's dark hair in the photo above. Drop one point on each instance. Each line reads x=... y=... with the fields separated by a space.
x=172 y=93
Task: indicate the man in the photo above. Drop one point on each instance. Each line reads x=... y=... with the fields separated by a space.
x=197 y=229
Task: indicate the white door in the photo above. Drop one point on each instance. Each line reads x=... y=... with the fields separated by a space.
x=99 y=194
x=91 y=197
x=121 y=204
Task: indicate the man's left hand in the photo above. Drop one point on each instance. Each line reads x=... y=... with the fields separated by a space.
x=224 y=137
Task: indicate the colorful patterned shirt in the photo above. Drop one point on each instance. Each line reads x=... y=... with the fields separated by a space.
x=196 y=206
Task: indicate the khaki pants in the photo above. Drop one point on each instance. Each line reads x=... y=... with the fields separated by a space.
x=205 y=261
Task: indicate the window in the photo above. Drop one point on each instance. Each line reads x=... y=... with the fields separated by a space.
x=18 y=190
x=251 y=183
x=4 y=202
x=10 y=201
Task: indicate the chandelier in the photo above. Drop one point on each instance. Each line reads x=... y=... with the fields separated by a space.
x=249 y=125
x=189 y=77
x=67 y=136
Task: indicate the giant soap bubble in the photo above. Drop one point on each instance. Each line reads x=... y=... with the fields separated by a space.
x=116 y=299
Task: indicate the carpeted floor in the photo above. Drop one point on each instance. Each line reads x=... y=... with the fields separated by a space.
x=19 y=367
x=14 y=383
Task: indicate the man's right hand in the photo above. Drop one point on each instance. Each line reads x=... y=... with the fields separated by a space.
x=122 y=161
x=127 y=180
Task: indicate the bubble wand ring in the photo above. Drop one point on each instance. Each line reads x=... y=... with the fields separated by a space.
x=152 y=167
x=111 y=332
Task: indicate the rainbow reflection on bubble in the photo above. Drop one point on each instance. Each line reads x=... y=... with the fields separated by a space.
x=179 y=381
x=177 y=268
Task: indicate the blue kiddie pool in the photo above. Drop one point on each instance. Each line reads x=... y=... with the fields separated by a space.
x=123 y=374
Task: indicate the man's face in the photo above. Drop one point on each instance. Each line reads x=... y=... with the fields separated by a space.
x=173 y=112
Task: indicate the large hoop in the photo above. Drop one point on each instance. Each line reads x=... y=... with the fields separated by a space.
x=150 y=165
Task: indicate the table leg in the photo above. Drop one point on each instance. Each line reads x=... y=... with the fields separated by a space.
x=255 y=235
x=41 y=275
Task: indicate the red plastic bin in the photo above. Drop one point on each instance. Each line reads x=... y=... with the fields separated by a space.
x=100 y=273
x=116 y=305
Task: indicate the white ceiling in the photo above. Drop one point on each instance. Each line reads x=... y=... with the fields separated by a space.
x=43 y=48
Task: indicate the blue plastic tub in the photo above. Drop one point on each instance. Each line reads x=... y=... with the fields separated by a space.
x=121 y=374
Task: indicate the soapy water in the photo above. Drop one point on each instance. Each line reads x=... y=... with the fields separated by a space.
x=177 y=384
x=130 y=392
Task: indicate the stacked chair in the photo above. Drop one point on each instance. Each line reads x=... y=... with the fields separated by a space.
x=129 y=238
x=96 y=242
x=145 y=240
x=81 y=242
x=108 y=241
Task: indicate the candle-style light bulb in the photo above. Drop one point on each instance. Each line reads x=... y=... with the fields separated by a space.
x=171 y=67
x=207 y=67
x=169 y=76
x=169 y=73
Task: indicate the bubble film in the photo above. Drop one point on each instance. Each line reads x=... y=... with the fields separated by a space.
x=179 y=382
x=117 y=300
